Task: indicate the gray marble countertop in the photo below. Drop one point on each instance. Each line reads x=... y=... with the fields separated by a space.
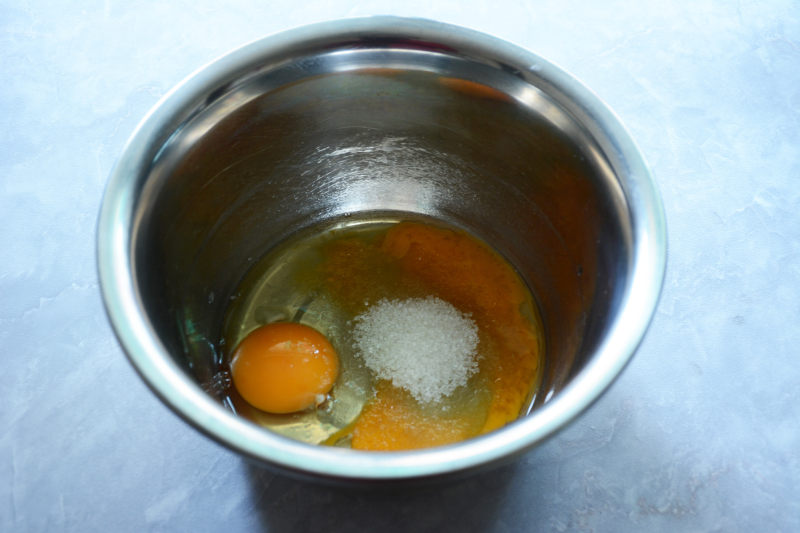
x=701 y=432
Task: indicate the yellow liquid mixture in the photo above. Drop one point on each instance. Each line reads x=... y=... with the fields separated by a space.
x=326 y=278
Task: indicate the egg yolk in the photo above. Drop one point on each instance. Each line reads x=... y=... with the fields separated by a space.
x=284 y=367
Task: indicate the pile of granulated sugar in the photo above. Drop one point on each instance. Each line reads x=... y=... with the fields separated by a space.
x=423 y=345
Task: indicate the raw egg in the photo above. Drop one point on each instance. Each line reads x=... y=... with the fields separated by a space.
x=284 y=367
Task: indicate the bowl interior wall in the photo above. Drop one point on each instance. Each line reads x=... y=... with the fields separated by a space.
x=283 y=148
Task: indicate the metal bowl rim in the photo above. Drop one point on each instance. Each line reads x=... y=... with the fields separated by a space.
x=182 y=395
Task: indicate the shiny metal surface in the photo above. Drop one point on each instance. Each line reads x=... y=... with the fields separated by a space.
x=368 y=115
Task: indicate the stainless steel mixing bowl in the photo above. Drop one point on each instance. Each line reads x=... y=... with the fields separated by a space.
x=390 y=115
